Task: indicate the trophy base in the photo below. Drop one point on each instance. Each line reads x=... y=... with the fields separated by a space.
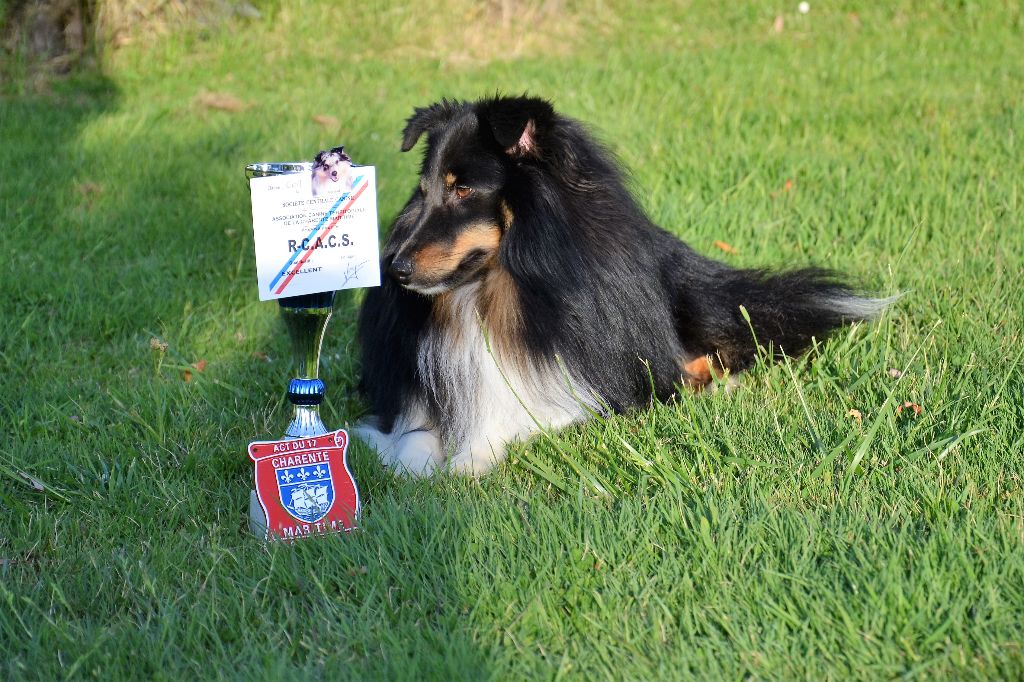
x=257 y=519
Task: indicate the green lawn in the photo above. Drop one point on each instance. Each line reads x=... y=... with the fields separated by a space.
x=764 y=533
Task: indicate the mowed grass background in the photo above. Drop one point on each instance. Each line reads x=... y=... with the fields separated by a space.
x=766 y=533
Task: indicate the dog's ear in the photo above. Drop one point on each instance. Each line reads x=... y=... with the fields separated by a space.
x=424 y=119
x=518 y=123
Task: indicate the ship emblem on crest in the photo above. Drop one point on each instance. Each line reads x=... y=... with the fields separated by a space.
x=307 y=492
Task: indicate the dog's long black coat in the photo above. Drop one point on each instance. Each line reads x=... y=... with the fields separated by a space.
x=621 y=302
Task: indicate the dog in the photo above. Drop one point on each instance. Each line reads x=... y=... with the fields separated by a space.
x=331 y=167
x=527 y=290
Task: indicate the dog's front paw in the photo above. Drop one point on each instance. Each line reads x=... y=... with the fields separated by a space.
x=382 y=442
x=418 y=453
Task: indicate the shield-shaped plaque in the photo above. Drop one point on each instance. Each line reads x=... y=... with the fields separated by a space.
x=305 y=486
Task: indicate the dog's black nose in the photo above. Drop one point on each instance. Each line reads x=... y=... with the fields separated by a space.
x=401 y=269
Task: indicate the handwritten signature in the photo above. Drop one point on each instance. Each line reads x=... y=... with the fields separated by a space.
x=351 y=272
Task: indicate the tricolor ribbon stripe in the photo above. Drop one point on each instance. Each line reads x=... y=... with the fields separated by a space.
x=334 y=215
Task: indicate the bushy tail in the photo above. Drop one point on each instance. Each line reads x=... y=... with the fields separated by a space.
x=786 y=311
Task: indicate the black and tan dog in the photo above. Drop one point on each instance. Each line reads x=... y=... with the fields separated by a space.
x=527 y=288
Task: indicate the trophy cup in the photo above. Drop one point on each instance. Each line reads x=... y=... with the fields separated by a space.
x=305 y=317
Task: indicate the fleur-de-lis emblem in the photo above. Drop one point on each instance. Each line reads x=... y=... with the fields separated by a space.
x=319 y=472
x=303 y=474
x=287 y=477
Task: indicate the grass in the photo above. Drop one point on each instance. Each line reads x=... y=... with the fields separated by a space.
x=765 y=533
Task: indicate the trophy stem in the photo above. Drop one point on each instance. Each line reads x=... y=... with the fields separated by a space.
x=306 y=319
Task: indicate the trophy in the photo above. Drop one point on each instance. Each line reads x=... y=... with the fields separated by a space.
x=303 y=483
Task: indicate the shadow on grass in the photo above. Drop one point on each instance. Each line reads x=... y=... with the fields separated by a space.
x=42 y=193
x=127 y=231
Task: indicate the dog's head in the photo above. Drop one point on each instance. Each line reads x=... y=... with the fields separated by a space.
x=330 y=166
x=450 y=231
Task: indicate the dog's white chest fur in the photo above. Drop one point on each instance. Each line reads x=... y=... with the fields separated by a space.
x=484 y=401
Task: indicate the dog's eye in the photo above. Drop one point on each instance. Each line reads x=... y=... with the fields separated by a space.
x=461 y=191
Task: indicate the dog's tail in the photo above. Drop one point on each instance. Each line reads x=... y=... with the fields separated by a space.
x=728 y=313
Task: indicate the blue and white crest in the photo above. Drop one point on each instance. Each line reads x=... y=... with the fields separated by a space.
x=307 y=491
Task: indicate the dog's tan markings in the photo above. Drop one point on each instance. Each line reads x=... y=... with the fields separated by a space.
x=442 y=313
x=436 y=261
x=506 y=214
x=500 y=310
x=697 y=373
x=449 y=179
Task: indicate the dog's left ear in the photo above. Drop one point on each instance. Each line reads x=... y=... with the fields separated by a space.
x=517 y=123
x=424 y=119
